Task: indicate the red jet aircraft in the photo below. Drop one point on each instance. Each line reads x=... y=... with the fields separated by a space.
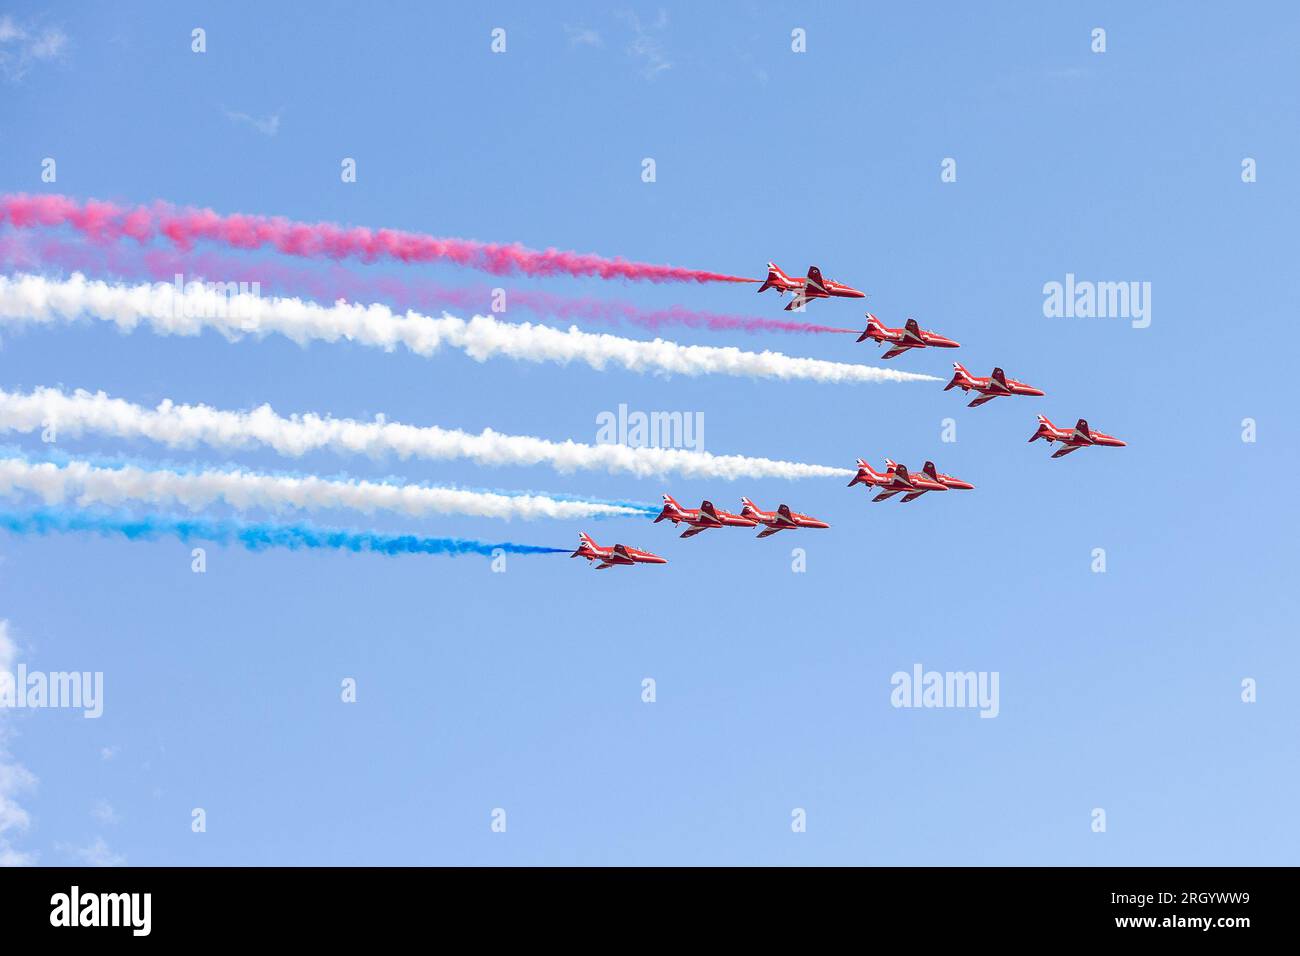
x=989 y=388
x=894 y=480
x=813 y=287
x=948 y=481
x=910 y=336
x=778 y=520
x=620 y=554
x=702 y=518
x=932 y=474
x=1072 y=440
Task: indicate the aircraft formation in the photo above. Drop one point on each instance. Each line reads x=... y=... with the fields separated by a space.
x=708 y=516
x=697 y=520
x=896 y=479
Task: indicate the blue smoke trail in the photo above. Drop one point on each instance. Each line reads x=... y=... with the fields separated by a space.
x=253 y=536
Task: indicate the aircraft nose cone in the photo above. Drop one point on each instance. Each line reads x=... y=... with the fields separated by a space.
x=963 y=485
x=1035 y=391
x=1120 y=444
x=655 y=559
x=947 y=344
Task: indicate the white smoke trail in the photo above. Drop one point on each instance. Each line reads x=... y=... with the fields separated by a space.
x=185 y=426
x=29 y=299
x=83 y=484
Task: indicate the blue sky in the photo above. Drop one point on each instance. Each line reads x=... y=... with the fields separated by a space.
x=522 y=690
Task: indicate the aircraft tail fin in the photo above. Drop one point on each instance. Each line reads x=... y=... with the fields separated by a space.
x=1045 y=429
x=959 y=376
x=774 y=278
x=873 y=325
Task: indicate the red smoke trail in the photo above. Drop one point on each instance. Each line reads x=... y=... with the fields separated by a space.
x=103 y=221
x=162 y=265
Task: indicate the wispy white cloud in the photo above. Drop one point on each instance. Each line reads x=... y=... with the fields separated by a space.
x=96 y=853
x=22 y=46
x=9 y=857
x=266 y=125
x=14 y=778
x=48 y=45
x=103 y=812
x=647 y=43
x=108 y=753
x=583 y=36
